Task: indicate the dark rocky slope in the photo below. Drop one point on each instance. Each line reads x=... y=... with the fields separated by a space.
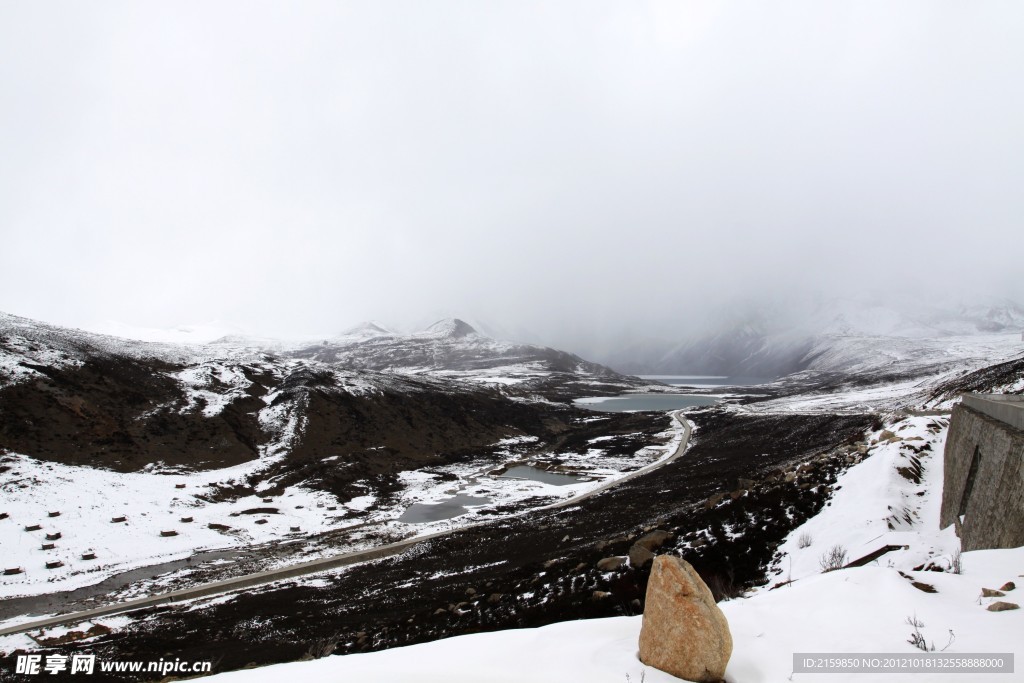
x=541 y=567
x=83 y=399
x=1005 y=377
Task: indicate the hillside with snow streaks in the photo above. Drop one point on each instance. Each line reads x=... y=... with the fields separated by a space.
x=910 y=357
x=455 y=350
x=27 y=346
x=224 y=446
x=844 y=335
x=886 y=373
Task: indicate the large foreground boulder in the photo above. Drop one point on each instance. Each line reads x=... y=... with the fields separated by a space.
x=684 y=633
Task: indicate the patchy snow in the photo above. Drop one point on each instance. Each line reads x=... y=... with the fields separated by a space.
x=857 y=610
x=871 y=363
x=595 y=469
x=497 y=379
x=882 y=397
x=285 y=422
x=158 y=499
x=361 y=502
x=873 y=505
x=88 y=499
x=881 y=355
x=211 y=385
x=507 y=374
x=925 y=362
x=25 y=342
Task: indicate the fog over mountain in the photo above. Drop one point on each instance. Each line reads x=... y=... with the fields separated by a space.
x=612 y=179
x=836 y=335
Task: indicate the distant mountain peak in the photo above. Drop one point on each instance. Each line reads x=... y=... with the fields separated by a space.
x=451 y=328
x=367 y=330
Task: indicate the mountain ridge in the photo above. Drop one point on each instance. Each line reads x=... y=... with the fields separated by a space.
x=763 y=344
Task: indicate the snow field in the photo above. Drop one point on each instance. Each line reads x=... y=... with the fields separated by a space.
x=88 y=499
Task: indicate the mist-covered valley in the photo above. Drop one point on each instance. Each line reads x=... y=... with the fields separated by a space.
x=461 y=342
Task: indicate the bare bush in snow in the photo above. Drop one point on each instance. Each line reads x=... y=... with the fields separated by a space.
x=834 y=559
x=916 y=638
x=956 y=564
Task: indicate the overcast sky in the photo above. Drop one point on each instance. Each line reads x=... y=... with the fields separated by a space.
x=568 y=167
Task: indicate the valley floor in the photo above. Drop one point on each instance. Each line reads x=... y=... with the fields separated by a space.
x=122 y=518
x=766 y=489
x=529 y=570
x=848 y=612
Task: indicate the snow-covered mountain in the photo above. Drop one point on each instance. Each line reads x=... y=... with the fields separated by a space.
x=839 y=336
x=252 y=444
x=85 y=398
x=454 y=348
x=367 y=330
x=312 y=439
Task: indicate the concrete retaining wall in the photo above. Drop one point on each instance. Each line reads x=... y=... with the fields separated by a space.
x=1008 y=408
x=984 y=473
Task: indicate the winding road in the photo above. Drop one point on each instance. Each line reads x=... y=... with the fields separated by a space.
x=326 y=563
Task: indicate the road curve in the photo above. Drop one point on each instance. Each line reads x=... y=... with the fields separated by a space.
x=325 y=563
x=684 y=441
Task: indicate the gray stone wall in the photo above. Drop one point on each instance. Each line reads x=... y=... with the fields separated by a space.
x=1008 y=408
x=984 y=480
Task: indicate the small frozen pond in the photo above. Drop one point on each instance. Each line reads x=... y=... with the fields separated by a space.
x=459 y=504
x=629 y=402
x=537 y=474
x=422 y=513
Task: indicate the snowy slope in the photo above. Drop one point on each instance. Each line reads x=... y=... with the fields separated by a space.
x=147 y=505
x=909 y=356
x=890 y=373
x=449 y=349
x=881 y=502
x=844 y=335
x=25 y=342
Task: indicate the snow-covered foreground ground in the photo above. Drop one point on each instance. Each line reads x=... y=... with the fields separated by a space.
x=594 y=651
x=857 y=610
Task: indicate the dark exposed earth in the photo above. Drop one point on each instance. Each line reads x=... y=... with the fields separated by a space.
x=727 y=503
